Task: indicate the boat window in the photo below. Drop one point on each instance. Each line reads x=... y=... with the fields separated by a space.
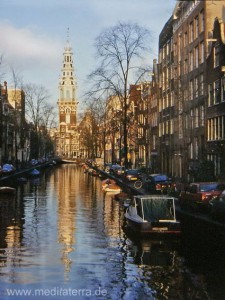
x=139 y=207
x=156 y=209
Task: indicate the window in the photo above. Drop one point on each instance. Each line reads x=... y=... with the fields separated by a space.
x=185 y=39
x=196 y=86
x=191 y=88
x=201 y=52
x=216 y=128
x=172 y=98
x=179 y=47
x=202 y=21
x=167 y=127
x=196 y=148
x=191 y=151
x=191 y=32
x=186 y=95
x=202 y=115
x=185 y=66
x=160 y=129
x=196 y=27
x=196 y=118
x=217 y=92
x=216 y=56
x=201 y=84
x=211 y=94
x=175 y=49
x=196 y=56
x=223 y=88
x=192 y=119
x=171 y=126
x=180 y=126
x=191 y=57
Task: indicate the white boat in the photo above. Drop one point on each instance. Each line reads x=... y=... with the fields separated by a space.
x=153 y=214
x=7 y=190
x=110 y=186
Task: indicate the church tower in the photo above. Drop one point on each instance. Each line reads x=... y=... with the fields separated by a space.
x=67 y=135
x=67 y=89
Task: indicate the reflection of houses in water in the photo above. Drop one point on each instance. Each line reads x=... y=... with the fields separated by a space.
x=13 y=241
x=11 y=224
x=154 y=253
x=112 y=216
x=163 y=268
x=66 y=186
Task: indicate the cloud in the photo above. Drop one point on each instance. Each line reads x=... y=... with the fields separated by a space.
x=27 y=47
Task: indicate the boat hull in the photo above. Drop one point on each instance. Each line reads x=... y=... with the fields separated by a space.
x=147 y=228
x=7 y=190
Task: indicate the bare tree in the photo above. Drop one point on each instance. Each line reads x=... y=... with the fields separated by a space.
x=2 y=73
x=37 y=110
x=36 y=98
x=17 y=79
x=120 y=52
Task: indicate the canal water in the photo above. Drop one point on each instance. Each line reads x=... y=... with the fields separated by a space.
x=61 y=237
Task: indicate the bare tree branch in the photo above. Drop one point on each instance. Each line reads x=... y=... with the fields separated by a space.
x=120 y=50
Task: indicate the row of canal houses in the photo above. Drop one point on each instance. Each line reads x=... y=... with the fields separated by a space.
x=178 y=119
x=19 y=140
x=13 y=140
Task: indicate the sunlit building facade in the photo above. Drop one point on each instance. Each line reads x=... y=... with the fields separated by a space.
x=67 y=135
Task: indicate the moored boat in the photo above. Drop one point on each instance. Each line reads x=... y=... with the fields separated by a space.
x=7 y=169
x=35 y=172
x=107 y=182
x=109 y=185
x=112 y=188
x=68 y=161
x=7 y=190
x=153 y=214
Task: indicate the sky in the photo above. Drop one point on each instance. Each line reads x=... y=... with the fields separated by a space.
x=33 y=35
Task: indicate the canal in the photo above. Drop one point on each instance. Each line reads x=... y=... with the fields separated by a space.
x=61 y=237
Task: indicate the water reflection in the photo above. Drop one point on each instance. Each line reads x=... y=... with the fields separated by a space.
x=154 y=253
x=61 y=230
x=65 y=187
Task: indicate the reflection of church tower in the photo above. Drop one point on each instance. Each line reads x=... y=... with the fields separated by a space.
x=67 y=137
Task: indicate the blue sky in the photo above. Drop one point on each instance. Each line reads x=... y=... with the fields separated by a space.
x=33 y=34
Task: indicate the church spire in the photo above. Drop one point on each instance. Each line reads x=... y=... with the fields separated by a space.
x=67 y=84
x=67 y=87
x=68 y=46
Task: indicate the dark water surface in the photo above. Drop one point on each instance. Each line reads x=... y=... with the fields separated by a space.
x=62 y=238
